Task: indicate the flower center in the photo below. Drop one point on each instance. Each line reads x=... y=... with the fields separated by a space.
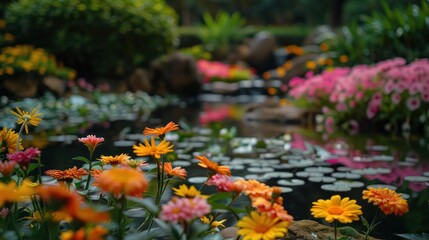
x=176 y=210
x=335 y=210
x=261 y=228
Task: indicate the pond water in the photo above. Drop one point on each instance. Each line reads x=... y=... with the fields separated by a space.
x=307 y=165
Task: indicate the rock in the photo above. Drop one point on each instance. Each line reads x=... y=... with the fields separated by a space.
x=21 y=87
x=261 y=55
x=55 y=85
x=177 y=74
x=229 y=232
x=139 y=81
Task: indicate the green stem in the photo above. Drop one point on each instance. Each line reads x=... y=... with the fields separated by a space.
x=123 y=202
x=159 y=183
x=89 y=170
x=335 y=230
x=19 y=135
x=39 y=173
x=371 y=226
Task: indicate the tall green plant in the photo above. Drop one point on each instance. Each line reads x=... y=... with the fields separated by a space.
x=399 y=32
x=219 y=32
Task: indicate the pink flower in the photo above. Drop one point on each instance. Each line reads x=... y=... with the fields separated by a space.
x=413 y=103
x=4 y=212
x=184 y=209
x=341 y=107
x=23 y=158
x=6 y=168
x=222 y=182
x=91 y=141
x=329 y=124
x=359 y=95
x=396 y=98
x=425 y=97
x=373 y=109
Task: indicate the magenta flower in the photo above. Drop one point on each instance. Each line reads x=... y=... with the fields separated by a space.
x=396 y=98
x=372 y=110
x=413 y=103
x=184 y=209
x=23 y=158
x=222 y=182
x=91 y=141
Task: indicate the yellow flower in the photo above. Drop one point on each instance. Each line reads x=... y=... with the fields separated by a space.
x=84 y=233
x=387 y=200
x=311 y=65
x=115 y=160
x=191 y=192
x=8 y=141
x=10 y=193
x=121 y=181
x=343 y=210
x=260 y=226
x=161 y=131
x=210 y=221
x=152 y=149
x=26 y=118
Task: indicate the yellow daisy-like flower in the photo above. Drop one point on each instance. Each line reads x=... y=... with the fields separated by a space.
x=8 y=141
x=188 y=192
x=10 y=193
x=206 y=163
x=387 y=200
x=260 y=226
x=210 y=221
x=161 y=131
x=152 y=149
x=343 y=210
x=26 y=118
x=120 y=181
x=115 y=160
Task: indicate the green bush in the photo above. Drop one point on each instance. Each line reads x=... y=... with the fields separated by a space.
x=400 y=32
x=99 y=38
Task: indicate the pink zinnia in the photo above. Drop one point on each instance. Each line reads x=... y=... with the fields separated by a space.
x=425 y=97
x=184 y=209
x=413 y=103
x=23 y=158
x=91 y=141
x=222 y=182
x=341 y=107
x=6 y=168
x=396 y=98
x=372 y=109
x=4 y=212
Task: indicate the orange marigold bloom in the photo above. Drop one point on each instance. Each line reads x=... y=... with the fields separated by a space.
x=271 y=209
x=8 y=141
x=120 y=181
x=91 y=141
x=161 y=131
x=177 y=171
x=60 y=198
x=206 y=163
x=152 y=149
x=89 y=215
x=95 y=233
x=6 y=168
x=114 y=160
x=255 y=189
x=387 y=200
x=26 y=118
x=68 y=174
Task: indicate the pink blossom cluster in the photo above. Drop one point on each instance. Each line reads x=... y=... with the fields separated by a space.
x=390 y=86
x=23 y=158
x=223 y=183
x=212 y=71
x=184 y=209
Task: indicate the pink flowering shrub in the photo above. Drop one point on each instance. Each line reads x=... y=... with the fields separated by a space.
x=390 y=92
x=218 y=71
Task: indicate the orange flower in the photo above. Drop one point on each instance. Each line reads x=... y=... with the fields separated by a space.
x=60 y=198
x=161 y=131
x=68 y=174
x=89 y=215
x=8 y=141
x=6 y=168
x=343 y=59
x=95 y=233
x=96 y=172
x=310 y=65
x=152 y=149
x=134 y=164
x=177 y=171
x=206 y=163
x=255 y=189
x=324 y=47
x=120 y=181
x=272 y=91
x=387 y=200
x=114 y=160
x=91 y=141
x=271 y=209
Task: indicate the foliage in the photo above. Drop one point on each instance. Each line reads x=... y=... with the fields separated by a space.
x=27 y=61
x=197 y=52
x=97 y=38
x=387 y=92
x=219 y=32
x=217 y=71
x=399 y=32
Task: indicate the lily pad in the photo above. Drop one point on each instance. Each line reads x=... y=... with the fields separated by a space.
x=256 y=177
x=236 y=167
x=406 y=164
x=391 y=187
x=322 y=179
x=383 y=158
x=304 y=174
x=123 y=143
x=319 y=169
x=302 y=163
x=286 y=189
x=352 y=184
x=426 y=174
x=346 y=175
x=344 y=169
x=336 y=187
x=283 y=166
x=197 y=179
x=278 y=175
x=416 y=178
x=291 y=182
x=181 y=163
x=260 y=170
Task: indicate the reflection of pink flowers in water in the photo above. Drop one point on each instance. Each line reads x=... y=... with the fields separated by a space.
x=329 y=124
x=215 y=114
x=298 y=142
x=413 y=103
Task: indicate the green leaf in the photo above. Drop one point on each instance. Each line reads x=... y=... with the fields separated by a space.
x=80 y=158
x=135 y=213
x=33 y=166
x=173 y=232
x=364 y=222
x=219 y=196
x=214 y=236
x=147 y=203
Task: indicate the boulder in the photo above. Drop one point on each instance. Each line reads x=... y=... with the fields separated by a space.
x=261 y=53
